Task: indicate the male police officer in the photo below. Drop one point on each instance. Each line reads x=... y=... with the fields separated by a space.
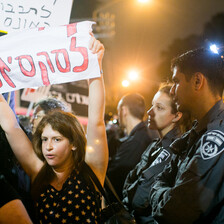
x=191 y=188
x=131 y=110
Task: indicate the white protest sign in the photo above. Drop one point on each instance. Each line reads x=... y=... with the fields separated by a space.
x=27 y=14
x=41 y=57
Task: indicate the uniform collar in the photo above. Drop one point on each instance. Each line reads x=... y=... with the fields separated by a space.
x=136 y=128
x=211 y=115
x=170 y=137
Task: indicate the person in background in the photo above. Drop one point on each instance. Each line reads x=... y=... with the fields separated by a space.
x=114 y=133
x=44 y=107
x=25 y=124
x=191 y=188
x=15 y=184
x=12 y=209
x=131 y=111
x=60 y=188
x=10 y=98
x=170 y=124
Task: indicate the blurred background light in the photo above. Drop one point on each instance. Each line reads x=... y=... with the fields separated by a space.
x=214 y=48
x=143 y=1
x=133 y=75
x=125 y=83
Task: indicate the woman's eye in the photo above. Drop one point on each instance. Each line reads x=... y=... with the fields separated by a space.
x=57 y=139
x=161 y=108
x=44 y=139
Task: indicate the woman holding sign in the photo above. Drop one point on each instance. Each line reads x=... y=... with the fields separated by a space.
x=60 y=188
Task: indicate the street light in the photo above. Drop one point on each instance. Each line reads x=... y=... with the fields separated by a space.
x=109 y=4
x=125 y=83
x=133 y=75
x=107 y=20
x=214 y=49
x=143 y=1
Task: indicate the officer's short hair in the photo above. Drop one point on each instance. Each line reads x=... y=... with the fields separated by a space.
x=203 y=60
x=135 y=103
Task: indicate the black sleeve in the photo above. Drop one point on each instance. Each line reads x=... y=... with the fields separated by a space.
x=130 y=180
x=135 y=173
x=7 y=192
x=190 y=193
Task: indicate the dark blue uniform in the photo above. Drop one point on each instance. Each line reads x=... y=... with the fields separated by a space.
x=127 y=156
x=139 y=181
x=191 y=189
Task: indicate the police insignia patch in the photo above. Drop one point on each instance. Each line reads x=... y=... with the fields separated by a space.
x=212 y=144
x=163 y=156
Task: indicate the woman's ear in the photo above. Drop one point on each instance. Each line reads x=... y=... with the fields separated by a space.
x=74 y=148
x=177 y=117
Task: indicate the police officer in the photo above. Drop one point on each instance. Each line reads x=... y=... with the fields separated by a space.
x=170 y=124
x=191 y=188
x=129 y=149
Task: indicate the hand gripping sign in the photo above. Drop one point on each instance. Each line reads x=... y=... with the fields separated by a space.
x=45 y=56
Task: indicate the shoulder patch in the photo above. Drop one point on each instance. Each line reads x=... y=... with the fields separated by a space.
x=163 y=156
x=212 y=144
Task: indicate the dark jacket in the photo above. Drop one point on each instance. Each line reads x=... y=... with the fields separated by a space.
x=191 y=188
x=7 y=192
x=127 y=156
x=138 y=182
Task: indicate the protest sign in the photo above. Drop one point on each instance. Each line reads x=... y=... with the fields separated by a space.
x=74 y=94
x=46 y=56
x=28 y=14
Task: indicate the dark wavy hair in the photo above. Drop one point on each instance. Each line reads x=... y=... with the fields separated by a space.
x=67 y=125
x=203 y=60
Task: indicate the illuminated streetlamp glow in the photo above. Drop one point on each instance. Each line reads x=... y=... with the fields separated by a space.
x=125 y=83
x=214 y=49
x=133 y=75
x=143 y=1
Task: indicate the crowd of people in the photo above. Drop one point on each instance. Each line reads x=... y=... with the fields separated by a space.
x=166 y=169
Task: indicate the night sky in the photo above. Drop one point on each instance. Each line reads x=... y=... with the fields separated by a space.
x=142 y=32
